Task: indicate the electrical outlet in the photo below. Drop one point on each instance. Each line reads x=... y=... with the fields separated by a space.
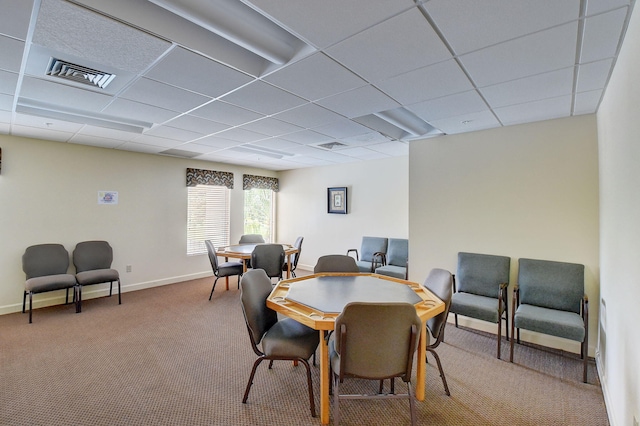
x=128 y=268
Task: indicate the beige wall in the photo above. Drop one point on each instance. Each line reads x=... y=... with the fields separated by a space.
x=377 y=198
x=48 y=194
x=521 y=191
x=619 y=146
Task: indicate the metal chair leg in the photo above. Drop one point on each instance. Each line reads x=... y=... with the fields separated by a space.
x=444 y=379
x=253 y=373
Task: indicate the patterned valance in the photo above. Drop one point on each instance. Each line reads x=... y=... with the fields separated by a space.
x=209 y=177
x=260 y=182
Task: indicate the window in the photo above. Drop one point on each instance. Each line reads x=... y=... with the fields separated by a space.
x=259 y=207
x=207 y=217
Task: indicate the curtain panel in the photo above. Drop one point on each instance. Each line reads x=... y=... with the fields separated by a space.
x=209 y=177
x=259 y=182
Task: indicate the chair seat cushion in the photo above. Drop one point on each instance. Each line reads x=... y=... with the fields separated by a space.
x=475 y=306
x=550 y=321
x=288 y=338
x=363 y=265
x=97 y=276
x=230 y=268
x=50 y=283
x=392 y=271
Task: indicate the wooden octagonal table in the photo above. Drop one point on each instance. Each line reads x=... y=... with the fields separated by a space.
x=316 y=300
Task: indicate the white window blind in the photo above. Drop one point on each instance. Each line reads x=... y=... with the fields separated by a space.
x=207 y=217
x=259 y=211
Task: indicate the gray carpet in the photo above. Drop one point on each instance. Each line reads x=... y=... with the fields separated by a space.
x=168 y=356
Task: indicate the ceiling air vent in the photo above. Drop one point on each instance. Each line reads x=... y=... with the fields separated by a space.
x=331 y=145
x=79 y=74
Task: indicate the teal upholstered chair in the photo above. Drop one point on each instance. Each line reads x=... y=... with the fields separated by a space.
x=371 y=253
x=396 y=259
x=550 y=299
x=480 y=289
x=385 y=351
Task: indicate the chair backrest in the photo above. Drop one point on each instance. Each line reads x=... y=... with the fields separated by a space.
x=336 y=263
x=298 y=245
x=398 y=252
x=269 y=257
x=255 y=287
x=92 y=255
x=371 y=245
x=440 y=283
x=377 y=340
x=251 y=239
x=553 y=285
x=211 y=251
x=482 y=274
x=45 y=259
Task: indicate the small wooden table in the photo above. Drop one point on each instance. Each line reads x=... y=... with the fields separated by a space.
x=243 y=252
x=316 y=300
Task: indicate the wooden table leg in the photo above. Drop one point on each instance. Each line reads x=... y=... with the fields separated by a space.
x=421 y=365
x=324 y=379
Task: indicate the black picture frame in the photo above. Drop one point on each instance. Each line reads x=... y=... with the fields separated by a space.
x=337 y=200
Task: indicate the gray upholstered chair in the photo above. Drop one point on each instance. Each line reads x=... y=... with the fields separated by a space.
x=251 y=239
x=480 y=290
x=440 y=283
x=273 y=339
x=386 y=351
x=225 y=269
x=270 y=258
x=45 y=266
x=296 y=257
x=550 y=299
x=396 y=259
x=371 y=253
x=92 y=260
x=336 y=263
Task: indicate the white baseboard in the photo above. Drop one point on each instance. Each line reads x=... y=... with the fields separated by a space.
x=51 y=298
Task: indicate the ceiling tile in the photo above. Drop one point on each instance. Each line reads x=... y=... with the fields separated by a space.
x=587 y=102
x=358 y=102
x=16 y=23
x=398 y=45
x=342 y=128
x=12 y=51
x=449 y=106
x=95 y=141
x=306 y=137
x=217 y=142
x=169 y=132
x=95 y=37
x=315 y=77
x=8 y=82
x=598 y=6
x=546 y=109
x=241 y=135
x=528 y=89
x=103 y=132
x=363 y=153
x=425 y=83
x=6 y=102
x=194 y=72
x=61 y=94
x=601 y=35
x=156 y=141
x=271 y=126
x=138 y=111
x=471 y=25
x=164 y=96
x=141 y=147
x=329 y=21
x=197 y=124
x=263 y=98
x=309 y=115
x=392 y=148
x=47 y=123
x=223 y=112
x=467 y=123
x=594 y=75
x=34 y=132
x=534 y=54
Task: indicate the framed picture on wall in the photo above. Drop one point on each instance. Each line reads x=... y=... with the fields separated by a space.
x=337 y=200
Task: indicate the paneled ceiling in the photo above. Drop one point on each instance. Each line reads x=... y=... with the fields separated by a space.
x=285 y=84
